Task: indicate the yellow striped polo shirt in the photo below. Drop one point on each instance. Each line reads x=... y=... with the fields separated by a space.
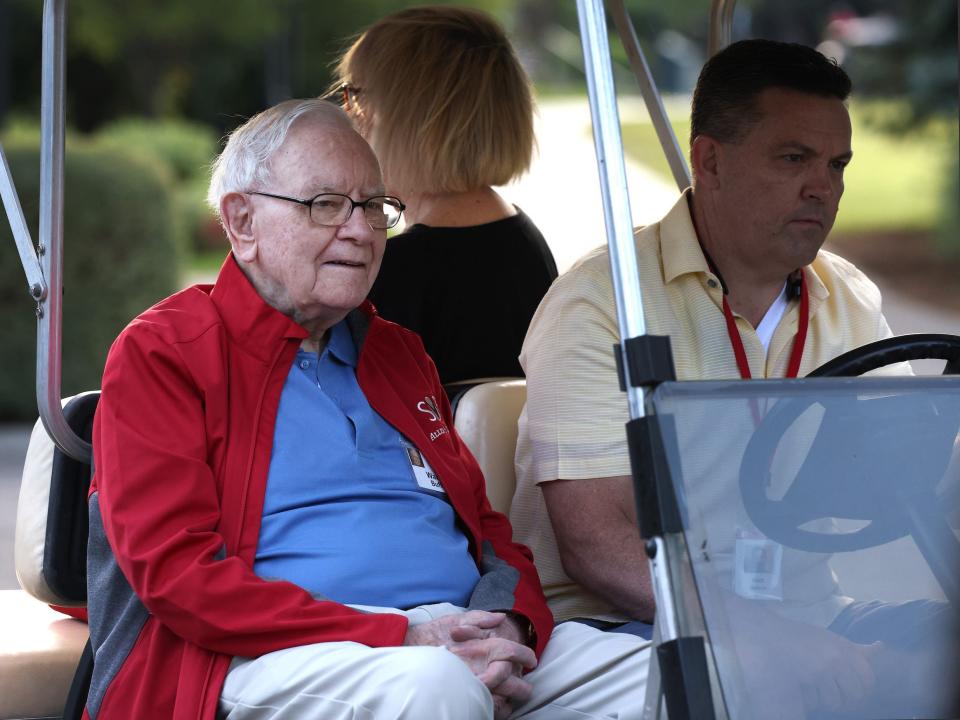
x=572 y=427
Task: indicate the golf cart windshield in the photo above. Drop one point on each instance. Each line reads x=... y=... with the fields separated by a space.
x=808 y=508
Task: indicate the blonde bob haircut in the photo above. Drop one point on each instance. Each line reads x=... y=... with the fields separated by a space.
x=451 y=107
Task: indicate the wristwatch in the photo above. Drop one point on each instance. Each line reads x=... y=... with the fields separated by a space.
x=527 y=632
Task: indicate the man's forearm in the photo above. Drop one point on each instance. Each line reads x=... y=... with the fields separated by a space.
x=599 y=541
x=615 y=568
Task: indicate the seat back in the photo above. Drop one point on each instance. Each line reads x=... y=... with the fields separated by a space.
x=41 y=672
x=486 y=419
x=50 y=546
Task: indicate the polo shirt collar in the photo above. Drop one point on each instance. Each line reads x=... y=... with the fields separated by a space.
x=682 y=254
x=818 y=291
x=341 y=345
x=679 y=249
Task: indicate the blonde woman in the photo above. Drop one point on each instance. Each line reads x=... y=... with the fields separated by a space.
x=441 y=96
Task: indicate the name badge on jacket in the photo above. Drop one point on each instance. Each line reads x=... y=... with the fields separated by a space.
x=424 y=475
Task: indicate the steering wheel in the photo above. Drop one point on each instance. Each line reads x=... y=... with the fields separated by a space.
x=902 y=348
x=852 y=492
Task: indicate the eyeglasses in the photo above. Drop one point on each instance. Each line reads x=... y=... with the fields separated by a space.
x=381 y=212
x=349 y=97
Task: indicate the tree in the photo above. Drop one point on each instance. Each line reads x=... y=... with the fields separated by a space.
x=209 y=60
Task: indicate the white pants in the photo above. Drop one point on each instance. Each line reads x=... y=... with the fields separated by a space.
x=583 y=673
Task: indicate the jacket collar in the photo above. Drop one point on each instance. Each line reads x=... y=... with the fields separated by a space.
x=256 y=326
x=250 y=322
x=358 y=321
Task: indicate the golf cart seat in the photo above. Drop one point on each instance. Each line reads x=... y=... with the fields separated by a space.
x=41 y=647
x=485 y=416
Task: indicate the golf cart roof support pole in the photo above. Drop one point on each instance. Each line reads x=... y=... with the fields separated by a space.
x=613 y=183
x=21 y=233
x=648 y=89
x=49 y=342
x=721 y=24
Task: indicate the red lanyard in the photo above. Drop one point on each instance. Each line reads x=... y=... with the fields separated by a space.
x=794 y=367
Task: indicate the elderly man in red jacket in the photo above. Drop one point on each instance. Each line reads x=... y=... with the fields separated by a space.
x=284 y=523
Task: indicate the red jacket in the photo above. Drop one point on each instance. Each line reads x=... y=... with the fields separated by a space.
x=182 y=442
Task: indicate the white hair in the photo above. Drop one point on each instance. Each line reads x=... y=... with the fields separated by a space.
x=244 y=164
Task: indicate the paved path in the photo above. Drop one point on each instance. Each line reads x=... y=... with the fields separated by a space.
x=562 y=195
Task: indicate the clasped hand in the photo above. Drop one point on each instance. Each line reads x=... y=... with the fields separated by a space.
x=490 y=645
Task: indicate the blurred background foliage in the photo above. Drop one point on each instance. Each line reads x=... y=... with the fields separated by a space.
x=153 y=86
x=122 y=258
x=216 y=62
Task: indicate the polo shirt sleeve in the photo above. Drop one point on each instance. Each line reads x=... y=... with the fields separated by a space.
x=575 y=414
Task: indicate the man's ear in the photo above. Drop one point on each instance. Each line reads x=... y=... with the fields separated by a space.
x=705 y=157
x=236 y=211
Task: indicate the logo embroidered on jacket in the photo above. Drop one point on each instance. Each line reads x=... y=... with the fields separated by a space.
x=428 y=406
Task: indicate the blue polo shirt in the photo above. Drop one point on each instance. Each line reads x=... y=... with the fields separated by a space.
x=344 y=516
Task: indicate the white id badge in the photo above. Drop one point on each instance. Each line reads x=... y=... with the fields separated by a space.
x=757 y=567
x=422 y=472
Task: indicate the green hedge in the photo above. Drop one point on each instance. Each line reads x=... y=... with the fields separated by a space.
x=119 y=258
x=187 y=149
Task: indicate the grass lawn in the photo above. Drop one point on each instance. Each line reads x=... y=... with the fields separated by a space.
x=641 y=144
x=895 y=182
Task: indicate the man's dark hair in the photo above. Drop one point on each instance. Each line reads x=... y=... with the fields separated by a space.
x=724 y=101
